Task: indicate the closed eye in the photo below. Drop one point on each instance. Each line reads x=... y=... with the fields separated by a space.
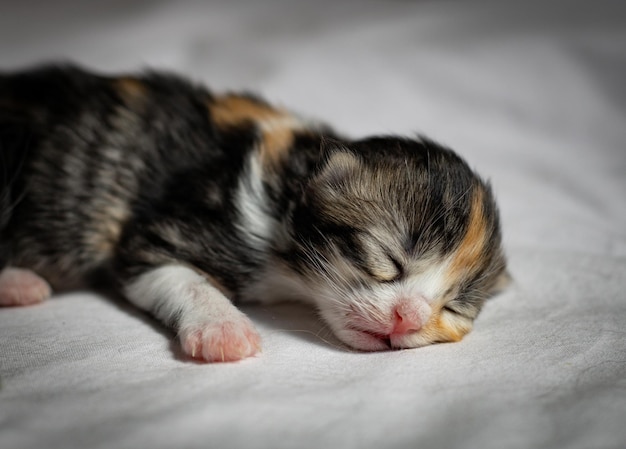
x=455 y=308
x=370 y=256
x=388 y=270
x=399 y=270
x=449 y=308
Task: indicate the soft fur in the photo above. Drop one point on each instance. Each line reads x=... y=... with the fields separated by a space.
x=192 y=200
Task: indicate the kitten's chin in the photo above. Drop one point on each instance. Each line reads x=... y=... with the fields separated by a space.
x=413 y=341
x=363 y=340
x=369 y=341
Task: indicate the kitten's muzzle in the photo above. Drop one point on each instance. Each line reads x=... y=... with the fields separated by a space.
x=405 y=318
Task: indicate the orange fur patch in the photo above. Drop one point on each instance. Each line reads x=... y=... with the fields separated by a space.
x=276 y=125
x=130 y=89
x=441 y=329
x=469 y=253
x=229 y=110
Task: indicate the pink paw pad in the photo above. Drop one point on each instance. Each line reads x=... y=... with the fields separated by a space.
x=226 y=341
x=19 y=287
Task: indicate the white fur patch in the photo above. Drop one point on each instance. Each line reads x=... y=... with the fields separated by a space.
x=177 y=291
x=255 y=222
x=431 y=282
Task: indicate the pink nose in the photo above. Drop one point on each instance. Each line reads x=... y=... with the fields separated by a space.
x=407 y=318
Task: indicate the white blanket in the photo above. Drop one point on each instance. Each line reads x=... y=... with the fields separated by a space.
x=533 y=96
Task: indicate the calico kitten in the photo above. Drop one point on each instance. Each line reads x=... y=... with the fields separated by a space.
x=193 y=201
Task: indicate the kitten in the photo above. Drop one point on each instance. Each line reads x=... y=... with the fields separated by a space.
x=193 y=201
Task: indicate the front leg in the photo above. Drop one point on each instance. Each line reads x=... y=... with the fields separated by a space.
x=208 y=325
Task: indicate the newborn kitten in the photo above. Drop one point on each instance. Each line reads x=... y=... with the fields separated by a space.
x=193 y=201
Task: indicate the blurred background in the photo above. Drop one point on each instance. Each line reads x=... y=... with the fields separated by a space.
x=532 y=93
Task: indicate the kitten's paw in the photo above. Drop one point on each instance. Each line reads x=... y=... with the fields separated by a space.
x=225 y=341
x=19 y=287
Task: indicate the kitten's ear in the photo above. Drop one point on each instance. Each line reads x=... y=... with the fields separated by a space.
x=336 y=174
x=338 y=167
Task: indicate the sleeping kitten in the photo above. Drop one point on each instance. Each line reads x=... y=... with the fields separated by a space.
x=193 y=201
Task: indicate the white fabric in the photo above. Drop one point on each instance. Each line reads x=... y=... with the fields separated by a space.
x=533 y=96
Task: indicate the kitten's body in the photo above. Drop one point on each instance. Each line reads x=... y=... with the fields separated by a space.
x=192 y=200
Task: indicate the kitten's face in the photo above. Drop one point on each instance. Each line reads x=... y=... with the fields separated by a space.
x=398 y=250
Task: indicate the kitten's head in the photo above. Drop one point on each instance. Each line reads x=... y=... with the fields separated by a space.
x=398 y=244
